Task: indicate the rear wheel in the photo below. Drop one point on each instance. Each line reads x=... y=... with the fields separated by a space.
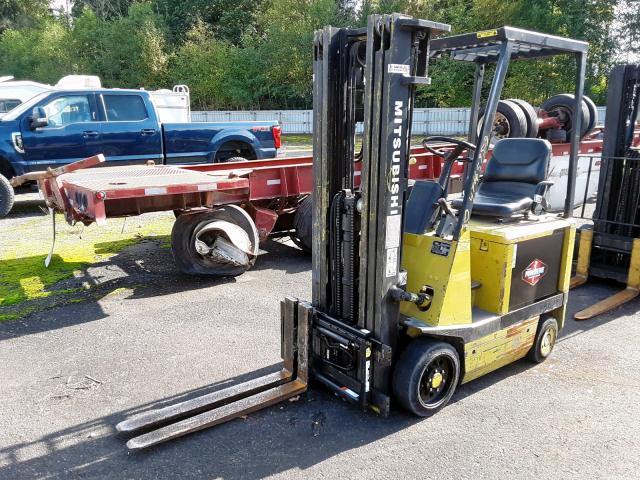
x=7 y=196
x=222 y=242
x=303 y=225
x=235 y=159
x=426 y=376
x=546 y=337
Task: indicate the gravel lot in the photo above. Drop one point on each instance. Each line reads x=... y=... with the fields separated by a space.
x=71 y=372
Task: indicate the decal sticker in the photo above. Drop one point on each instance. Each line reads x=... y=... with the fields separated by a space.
x=441 y=248
x=392 y=237
x=534 y=272
x=398 y=68
x=392 y=262
x=487 y=33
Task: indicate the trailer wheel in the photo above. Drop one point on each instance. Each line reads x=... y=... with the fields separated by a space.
x=426 y=376
x=561 y=106
x=509 y=122
x=546 y=337
x=222 y=242
x=303 y=225
x=7 y=196
x=530 y=115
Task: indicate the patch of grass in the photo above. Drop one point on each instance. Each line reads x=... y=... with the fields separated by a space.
x=24 y=247
x=305 y=141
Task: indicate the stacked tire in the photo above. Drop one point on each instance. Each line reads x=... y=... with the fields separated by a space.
x=562 y=107
x=516 y=118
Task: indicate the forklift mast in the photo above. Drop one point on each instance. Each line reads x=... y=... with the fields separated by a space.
x=362 y=75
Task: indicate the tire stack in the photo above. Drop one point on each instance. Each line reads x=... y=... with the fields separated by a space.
x=516 y=118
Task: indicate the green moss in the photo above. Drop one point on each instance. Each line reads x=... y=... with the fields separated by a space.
x=23 y=276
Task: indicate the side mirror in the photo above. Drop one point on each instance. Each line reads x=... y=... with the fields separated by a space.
x=38 y=118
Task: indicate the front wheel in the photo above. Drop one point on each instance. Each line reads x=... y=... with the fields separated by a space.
x=426 y=376
x=7 y=196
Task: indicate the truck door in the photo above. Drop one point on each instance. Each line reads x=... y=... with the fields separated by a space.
x=73 y=132
x=131 y=132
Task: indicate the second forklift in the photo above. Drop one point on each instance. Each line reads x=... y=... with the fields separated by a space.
x=412 y=293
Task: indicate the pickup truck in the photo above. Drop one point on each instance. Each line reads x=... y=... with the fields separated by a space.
x=58 y=127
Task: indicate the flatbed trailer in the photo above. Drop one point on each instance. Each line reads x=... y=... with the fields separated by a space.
x=269 y=193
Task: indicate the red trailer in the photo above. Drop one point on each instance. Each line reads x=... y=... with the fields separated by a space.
x=223 y=210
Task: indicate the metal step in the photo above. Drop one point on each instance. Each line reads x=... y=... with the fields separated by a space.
x=146 y=420
x=219 y=415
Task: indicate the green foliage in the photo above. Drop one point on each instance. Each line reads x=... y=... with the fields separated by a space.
x=237 y=54
x=22 y=13
x=40 y=53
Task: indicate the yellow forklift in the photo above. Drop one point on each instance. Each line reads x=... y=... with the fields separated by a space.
x=413 y=294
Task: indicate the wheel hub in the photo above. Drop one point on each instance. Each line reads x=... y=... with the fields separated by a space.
x=436 y=380
x=548 y=341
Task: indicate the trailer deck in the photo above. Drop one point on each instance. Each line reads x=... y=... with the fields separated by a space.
x=97 y=194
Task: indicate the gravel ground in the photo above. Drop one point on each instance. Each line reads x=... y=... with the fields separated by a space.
x=69 y=374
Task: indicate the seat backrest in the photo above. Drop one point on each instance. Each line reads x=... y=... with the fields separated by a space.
x=523 y=160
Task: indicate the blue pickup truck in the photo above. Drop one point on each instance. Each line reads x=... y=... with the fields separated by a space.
x=58 y=127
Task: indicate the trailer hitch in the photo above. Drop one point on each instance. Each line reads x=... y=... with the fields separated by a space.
x=221 y=406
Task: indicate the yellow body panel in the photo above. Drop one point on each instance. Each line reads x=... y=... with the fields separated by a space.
x=486 y=253
x=498 y=349
x=449 y=277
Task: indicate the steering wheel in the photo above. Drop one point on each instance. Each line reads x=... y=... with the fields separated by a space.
x=461 y=145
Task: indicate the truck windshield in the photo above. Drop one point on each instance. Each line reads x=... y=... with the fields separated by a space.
x=16 y=112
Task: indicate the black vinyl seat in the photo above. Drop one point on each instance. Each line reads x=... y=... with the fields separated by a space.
x=515 y=179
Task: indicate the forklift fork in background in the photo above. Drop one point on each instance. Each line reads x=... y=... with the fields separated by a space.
x=219 y=407
x=582 y=273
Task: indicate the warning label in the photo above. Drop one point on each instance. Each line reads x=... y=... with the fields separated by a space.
x=398 y=68
x=392 y=262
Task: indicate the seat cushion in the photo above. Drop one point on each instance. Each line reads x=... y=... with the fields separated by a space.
x=502 y=205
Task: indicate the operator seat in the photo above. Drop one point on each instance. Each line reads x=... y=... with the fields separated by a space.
x=515 y=178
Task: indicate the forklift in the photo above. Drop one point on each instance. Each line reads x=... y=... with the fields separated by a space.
x=413 y=293
x=609 y=247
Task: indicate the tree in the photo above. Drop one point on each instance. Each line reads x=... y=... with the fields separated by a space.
x=37 y=53
x=128 y=51
x=17 y=14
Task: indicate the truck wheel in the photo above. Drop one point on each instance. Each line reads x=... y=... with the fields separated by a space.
x=7 y=196
x=221 y=242
x=530 y=115
x=546 y=337
x=509 y=122
x=426 y=376
x=234 y=159
x=561 y=106
x=303 y=225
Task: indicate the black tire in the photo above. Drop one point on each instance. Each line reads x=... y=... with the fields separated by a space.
x=546 y=337
x=7 y=196
x=530 y=115
x=188 y=225
x=234 y=159
x=421 y=362
x=562 y=106
x=510 y=121
x=303 y=225
x=593 y=113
